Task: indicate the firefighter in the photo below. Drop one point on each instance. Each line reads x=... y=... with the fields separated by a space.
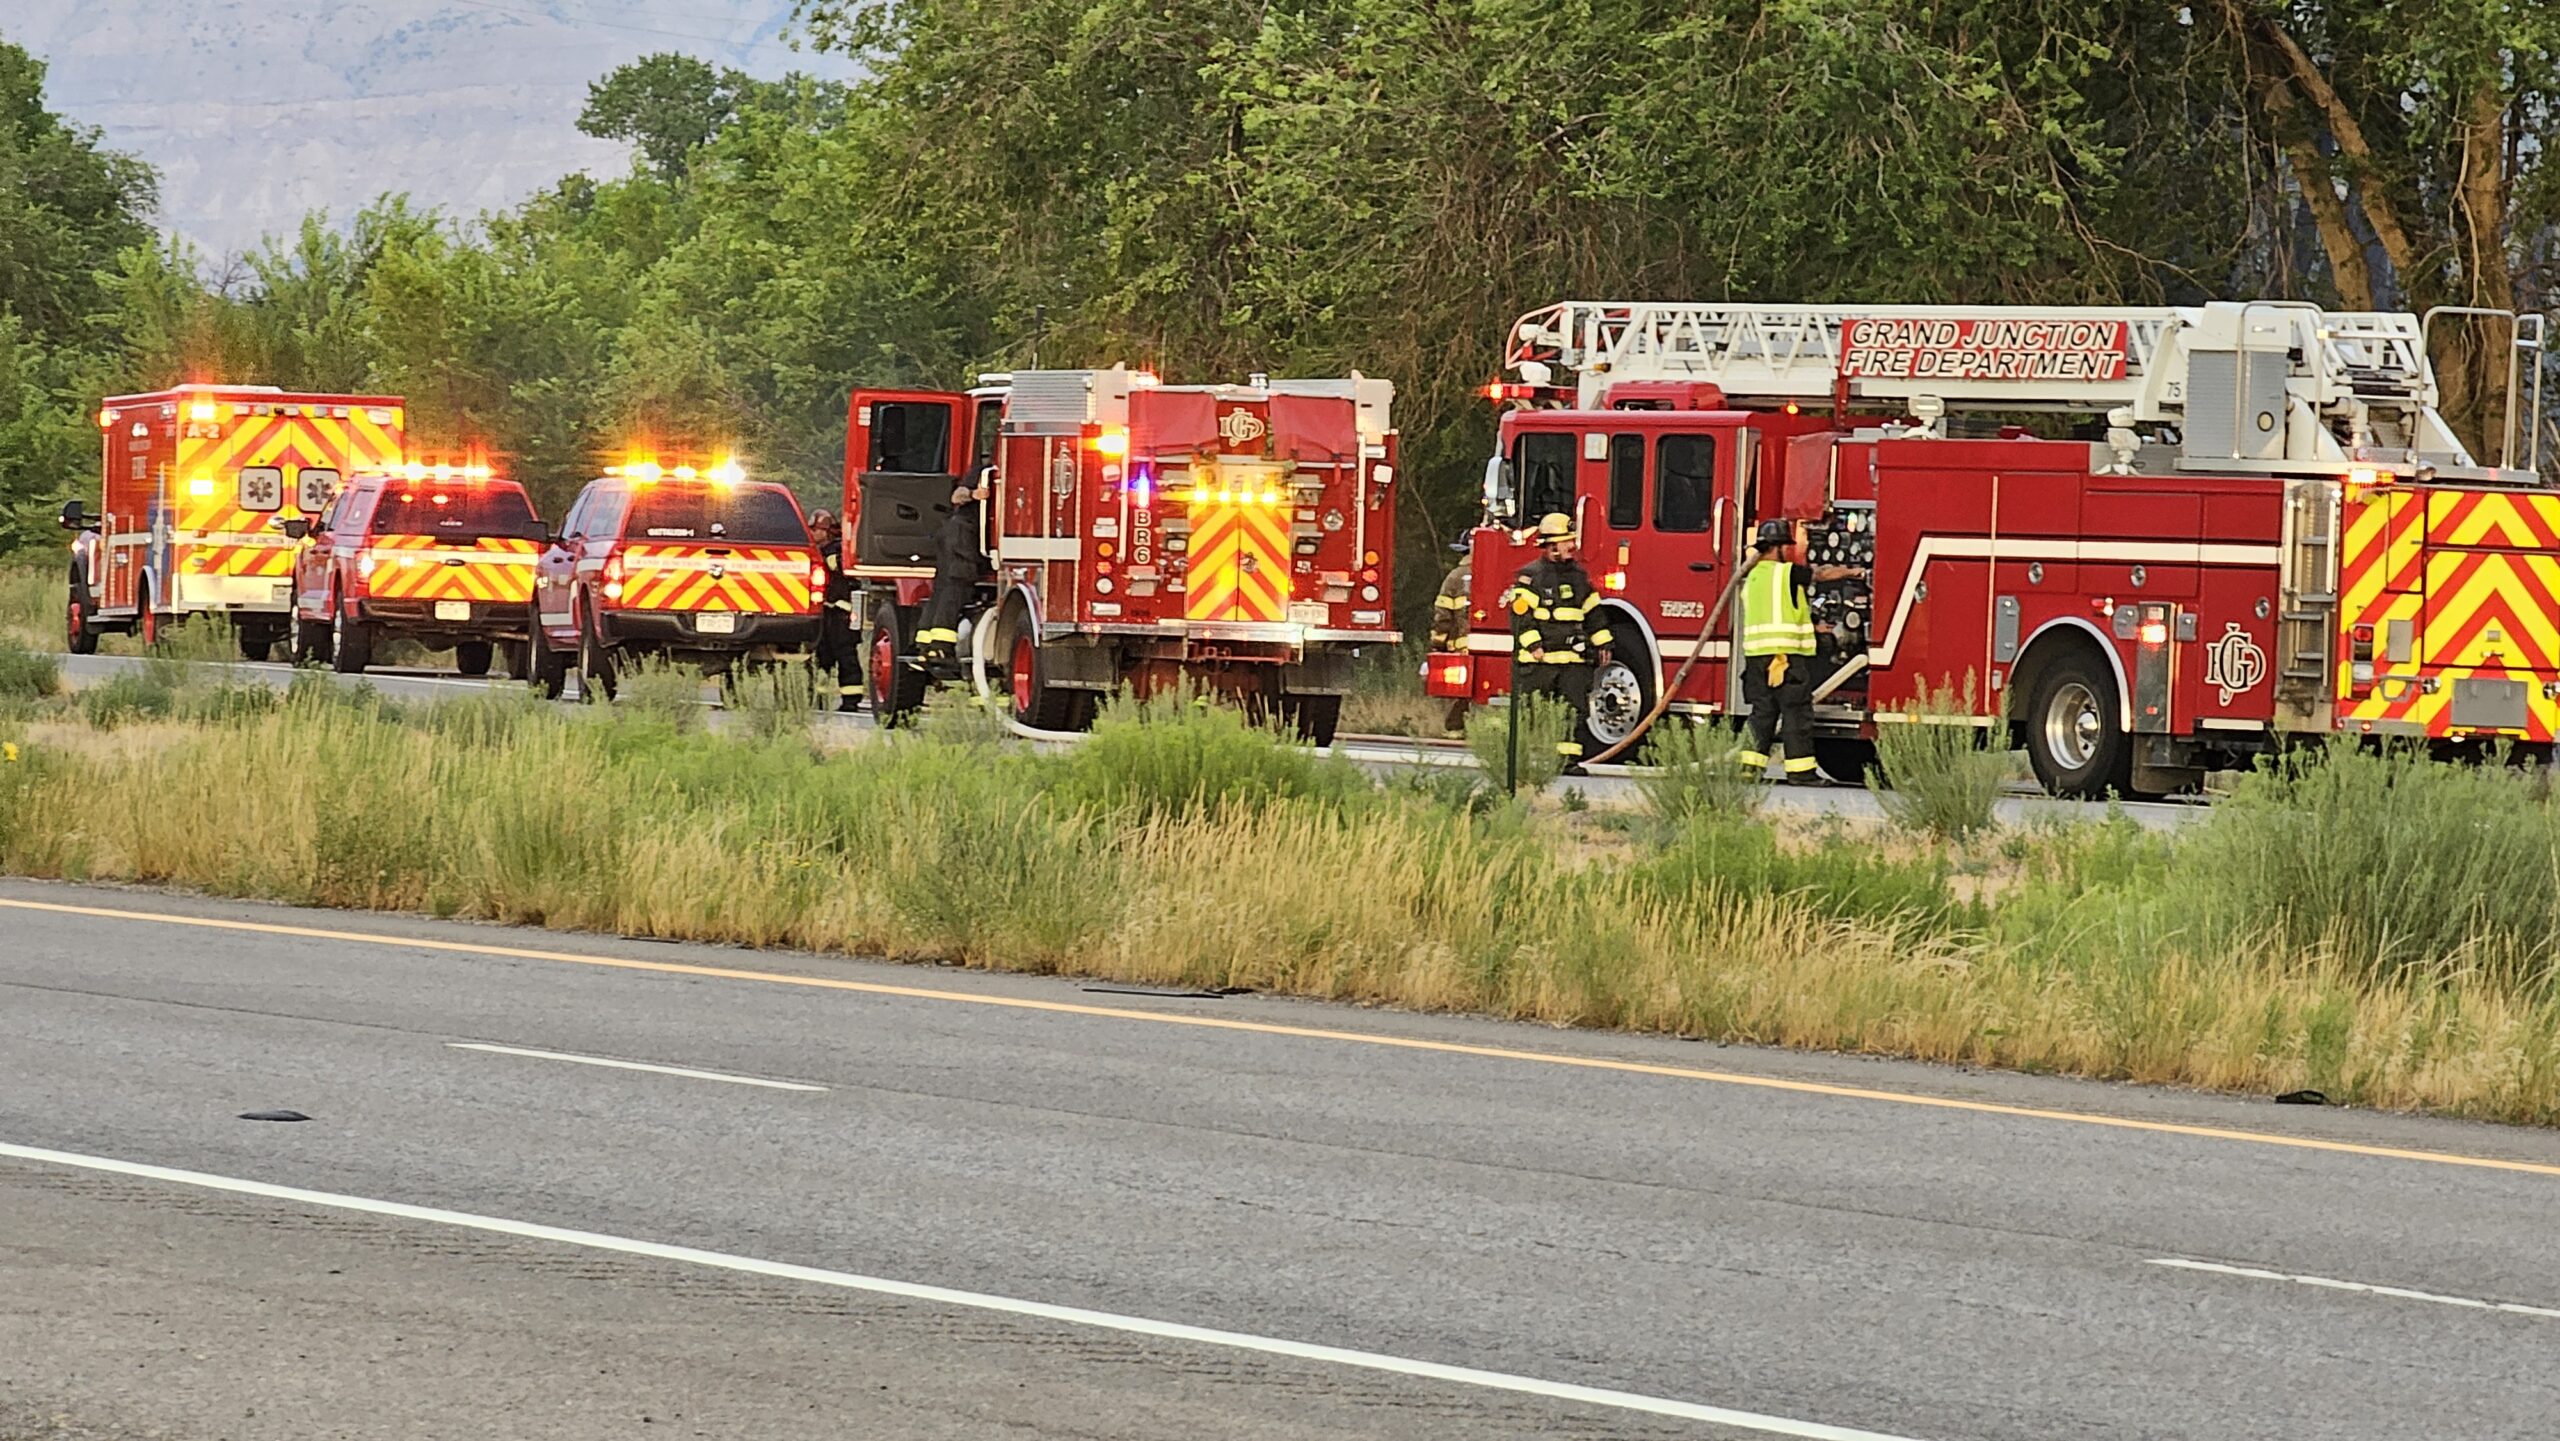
x=1777 y=654
x=958 y=561
x=1555 y=647
x=1449 y=628
x=836 y=647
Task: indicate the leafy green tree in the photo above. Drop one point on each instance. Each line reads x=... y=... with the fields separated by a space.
x=667 y=106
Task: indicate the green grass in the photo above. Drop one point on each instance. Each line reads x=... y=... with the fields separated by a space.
x=2377 y=928
x=1942 y=776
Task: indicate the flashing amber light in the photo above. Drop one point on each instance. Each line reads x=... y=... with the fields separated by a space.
x=644 y=471
x=1112 y=442
x=1271 y=497
x=439 y=498
x=106 y=418
x=1454 y=673
x=1794 y=409
x=1369 y=557
x=2155 y=632
x=726 y=472
x=1498 y=391
x=201 y=410
x=2368 y=475
x=201 y=485
x=415 y=470
x=1103 y=549
x=1199 y=495
x=684 y=472
x=1614 y=580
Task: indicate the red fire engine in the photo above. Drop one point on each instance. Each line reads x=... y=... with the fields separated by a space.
x=1236 y=537
x=199 y=483
x=2260 y=528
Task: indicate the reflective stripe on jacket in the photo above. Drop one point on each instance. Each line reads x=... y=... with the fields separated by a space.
x=1550 y=612
x=1776 y=617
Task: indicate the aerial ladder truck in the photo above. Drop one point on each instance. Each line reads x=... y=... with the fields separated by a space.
x=2154 y=540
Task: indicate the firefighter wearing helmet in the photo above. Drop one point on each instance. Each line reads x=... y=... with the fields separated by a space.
x=1555 y=642
x=1777 y=654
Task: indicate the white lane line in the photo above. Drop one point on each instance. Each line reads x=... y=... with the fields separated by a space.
x=974 y=1300
x=633 y=1066
x=2327 y=1284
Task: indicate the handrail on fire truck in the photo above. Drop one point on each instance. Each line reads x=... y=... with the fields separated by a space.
x=2356 y=385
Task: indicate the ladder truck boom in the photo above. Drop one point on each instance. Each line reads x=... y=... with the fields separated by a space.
x=2270 y=385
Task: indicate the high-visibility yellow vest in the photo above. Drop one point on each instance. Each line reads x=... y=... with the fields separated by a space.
x=1776 y=619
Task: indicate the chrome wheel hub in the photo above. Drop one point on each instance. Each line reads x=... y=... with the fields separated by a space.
x=2073 y=726
x=1617 y=703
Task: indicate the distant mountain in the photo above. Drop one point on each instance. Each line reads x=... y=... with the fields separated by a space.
x=257 y=112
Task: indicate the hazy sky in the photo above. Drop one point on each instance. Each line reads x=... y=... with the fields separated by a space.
x=258 y=110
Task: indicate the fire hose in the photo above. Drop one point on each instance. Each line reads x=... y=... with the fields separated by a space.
x=1662 y=702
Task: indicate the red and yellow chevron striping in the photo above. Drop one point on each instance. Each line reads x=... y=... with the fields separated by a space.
x=2447 y=586
x=424 y=567
x=205 y=490
x=753 y=580
x=1239 y=568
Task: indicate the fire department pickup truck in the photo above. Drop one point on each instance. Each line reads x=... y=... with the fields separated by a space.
x=701 y=565
x=442 y=555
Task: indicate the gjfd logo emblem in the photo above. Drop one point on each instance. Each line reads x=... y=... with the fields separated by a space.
x=1241 y=427
x=2234 y=662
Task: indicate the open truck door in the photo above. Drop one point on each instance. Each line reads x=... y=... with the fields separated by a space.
x=904 y=450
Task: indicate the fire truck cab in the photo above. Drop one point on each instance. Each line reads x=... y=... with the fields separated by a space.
x=438 y=554
x=2152 y=540
x=700 y=565
x=1233 y=537
x=198 y=484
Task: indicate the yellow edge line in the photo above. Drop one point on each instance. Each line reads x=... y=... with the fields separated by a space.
x=1316 y=1033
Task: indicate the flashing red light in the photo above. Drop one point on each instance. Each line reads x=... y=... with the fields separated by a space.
x=817 y=577
x=1369 y=574
x=1499 y=391
x=2155 y=632
x=1794 y=409
x=1454 y=673
x=1614 y=580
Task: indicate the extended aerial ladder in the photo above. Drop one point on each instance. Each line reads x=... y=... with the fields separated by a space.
x=2271 y=387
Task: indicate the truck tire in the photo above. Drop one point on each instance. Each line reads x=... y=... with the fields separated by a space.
x=2075 y=732
x=305 y=643
x=350 y=641
x=597 y=678
x=77 y=635
x=1622 y=695
x=146 y=627
x=1314 y=717
x=256 y=642
x=1845 y=761
x=1036 y=703
x=547 y=666
x=472 y=657
x=897 y=689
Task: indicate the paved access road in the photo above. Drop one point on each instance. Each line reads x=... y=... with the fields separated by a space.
x=819 y=1198
x=1607 y=784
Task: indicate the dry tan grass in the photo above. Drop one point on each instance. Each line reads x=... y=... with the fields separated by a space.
x=926 y=850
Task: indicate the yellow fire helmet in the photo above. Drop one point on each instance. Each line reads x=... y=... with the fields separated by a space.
x=1553 y=526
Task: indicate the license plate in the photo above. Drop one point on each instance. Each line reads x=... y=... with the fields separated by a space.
x=1305 y=612
x=453 y=610
x=716 y=622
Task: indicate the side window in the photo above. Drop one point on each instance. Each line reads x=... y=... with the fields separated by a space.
x=604 y=514
x=911 y=437
x=261 y=487
x=574 y=524
x=982 y=449
x=1626 y=482
x=1684 y=482
x=354 y=509
x=329 y=515
x=1542 y=462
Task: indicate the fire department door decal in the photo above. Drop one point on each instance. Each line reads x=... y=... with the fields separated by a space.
x=1239 y=562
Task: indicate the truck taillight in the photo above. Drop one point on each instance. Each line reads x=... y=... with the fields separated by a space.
x=613 y=577
x=2360 y=658
x=1454 y=673
x=817 y=578
x=2155 y=632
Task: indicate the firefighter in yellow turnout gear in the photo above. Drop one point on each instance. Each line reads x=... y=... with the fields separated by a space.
x=1449 y=625
x=1777 y=655
x=1556 y=643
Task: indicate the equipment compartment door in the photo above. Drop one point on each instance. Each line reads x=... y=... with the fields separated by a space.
x=1239 y=569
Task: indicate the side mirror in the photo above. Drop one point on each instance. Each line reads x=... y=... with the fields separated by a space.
x=551 y=536
x=75 y=516
x=297 y=527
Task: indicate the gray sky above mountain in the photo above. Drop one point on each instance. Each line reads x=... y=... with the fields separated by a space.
x=256 y=111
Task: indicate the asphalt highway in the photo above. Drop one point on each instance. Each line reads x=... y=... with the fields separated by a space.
x=1380 y=755
x=591 y=1187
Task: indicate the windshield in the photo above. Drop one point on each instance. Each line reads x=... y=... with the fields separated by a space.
x=460 y=511
x=750 y=515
